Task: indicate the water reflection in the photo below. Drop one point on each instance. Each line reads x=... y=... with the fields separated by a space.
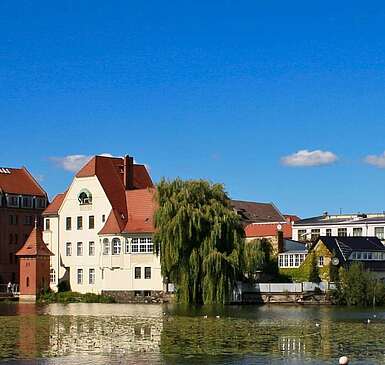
x=113 y=333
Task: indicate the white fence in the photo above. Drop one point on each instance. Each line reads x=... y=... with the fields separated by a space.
x=280 y=288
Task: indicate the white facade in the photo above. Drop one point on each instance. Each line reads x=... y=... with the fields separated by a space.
x=371 y=225
x=81 y=254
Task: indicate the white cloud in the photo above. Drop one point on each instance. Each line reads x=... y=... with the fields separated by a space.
x=74 y=163
x=376 y=160
x=305 y=158
x=71 y=163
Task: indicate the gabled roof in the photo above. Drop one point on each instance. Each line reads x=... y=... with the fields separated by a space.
x=344 y=246
x=253 y=212
x=19 y=181
x=35 y=246
x=55 y=205
x=109 y=171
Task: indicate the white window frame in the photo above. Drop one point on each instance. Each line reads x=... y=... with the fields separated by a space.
x=116 y=246
x=79 y=276
x=68 y=248
x=106 y=247
x=91 y=276
x=79 y=248
x=91 y=248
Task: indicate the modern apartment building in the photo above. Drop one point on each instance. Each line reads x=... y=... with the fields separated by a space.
x=22 y=201
x=100 y=230
x=341 y=225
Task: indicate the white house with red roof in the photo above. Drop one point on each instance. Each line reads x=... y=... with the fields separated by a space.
x=101 y=228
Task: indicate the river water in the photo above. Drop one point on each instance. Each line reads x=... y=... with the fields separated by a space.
x=170 y=334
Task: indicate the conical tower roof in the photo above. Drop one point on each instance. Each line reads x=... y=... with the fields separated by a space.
x=35 y=245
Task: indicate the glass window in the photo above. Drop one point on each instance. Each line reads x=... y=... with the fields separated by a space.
x=369 y=256
x=91 y=222
x=13 y=200
x=315 y=233
x=91 y=248
x=103 y=218
x=302 y=235
x=296 y=262
x=147 y=272
x=27 y=202
x=80 y=222
x=286 y=261
x=280 y=260
x=80 y=276
x=358 y=255
x=150 y=246
x=116 y=246
x=357 y=232
x=68 y=223
x=342 y=232
x=106 y=246
x=79 y=249
x=364 y=256
x=291 y=260
x=47 y=224
x=143 y=245
x=379 y=232
x=52 y=276
x=85 y=197
x=127 y=246
x=138 y=273
x=134 y=245
x=321 y=261
x=91 y=276
x=328 y=232
x=68 y=249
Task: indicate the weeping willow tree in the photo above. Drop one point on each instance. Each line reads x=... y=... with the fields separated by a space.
x=199 y=239
x=256 y=256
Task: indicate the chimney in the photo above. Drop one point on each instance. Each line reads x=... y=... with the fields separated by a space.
x=280 y=240
x=128 y=172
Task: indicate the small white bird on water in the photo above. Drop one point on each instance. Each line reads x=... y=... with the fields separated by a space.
x=368 y=321
x=317 y=324
x=344 y=360
x=205 y=316
x=217 y=317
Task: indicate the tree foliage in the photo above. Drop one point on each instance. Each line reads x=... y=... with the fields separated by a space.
x=199 y=238
x=359 y=287
x=256 y=257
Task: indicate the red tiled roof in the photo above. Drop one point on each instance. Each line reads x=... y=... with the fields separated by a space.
x=55 y=205
x=114 y=223
x=141 y=206
x=34 y=246
x=19 y=181
x=267 y=230
x=109 y=171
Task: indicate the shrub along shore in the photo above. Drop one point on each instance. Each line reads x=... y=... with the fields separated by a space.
x=73 y=297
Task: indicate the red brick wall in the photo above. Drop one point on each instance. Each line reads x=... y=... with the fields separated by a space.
x=9 y=271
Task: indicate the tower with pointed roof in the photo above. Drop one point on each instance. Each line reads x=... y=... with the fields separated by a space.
x=34 y=264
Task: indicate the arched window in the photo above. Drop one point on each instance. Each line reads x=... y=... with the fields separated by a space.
x=52 y=276
x=116 y=246
x=27 y=282
x=106 y=246
x=85 y=197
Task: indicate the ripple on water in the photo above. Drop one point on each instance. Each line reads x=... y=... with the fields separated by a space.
x=99 y=334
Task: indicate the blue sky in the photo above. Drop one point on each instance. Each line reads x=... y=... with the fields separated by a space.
x=222 y=90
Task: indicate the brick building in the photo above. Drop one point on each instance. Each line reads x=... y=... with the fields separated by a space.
x=22 y=200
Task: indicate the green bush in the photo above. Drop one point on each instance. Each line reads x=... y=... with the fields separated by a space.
x=358 y=287
x=74 y=297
